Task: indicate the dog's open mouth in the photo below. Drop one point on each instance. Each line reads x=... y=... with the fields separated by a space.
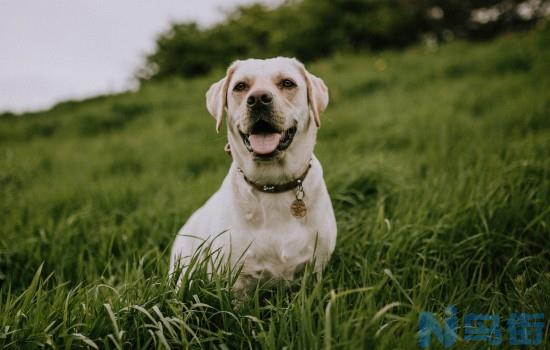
x=265 y=140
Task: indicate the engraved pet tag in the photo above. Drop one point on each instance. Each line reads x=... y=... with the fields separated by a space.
x=298 y=208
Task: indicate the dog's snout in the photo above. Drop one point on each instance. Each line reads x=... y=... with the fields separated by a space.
x=251 y=100
x=258 y=98
x=266 y=98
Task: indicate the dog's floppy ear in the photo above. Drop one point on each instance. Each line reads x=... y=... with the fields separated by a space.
x=317 y=93
x=216 y=97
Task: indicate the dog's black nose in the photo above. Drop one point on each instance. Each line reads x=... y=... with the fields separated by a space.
x=258 y=98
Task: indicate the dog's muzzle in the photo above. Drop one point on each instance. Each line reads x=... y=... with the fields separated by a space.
x=265 y=140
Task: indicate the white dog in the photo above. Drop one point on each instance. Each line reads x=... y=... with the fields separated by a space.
x=272 y=213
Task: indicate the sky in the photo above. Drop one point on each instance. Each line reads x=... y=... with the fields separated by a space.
x=56 y=50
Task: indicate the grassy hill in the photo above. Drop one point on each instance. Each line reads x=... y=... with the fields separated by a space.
x=437 y=161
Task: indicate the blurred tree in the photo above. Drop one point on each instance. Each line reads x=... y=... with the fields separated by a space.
x=310 y=29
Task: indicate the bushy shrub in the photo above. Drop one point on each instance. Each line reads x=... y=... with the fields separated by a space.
x=310 y=29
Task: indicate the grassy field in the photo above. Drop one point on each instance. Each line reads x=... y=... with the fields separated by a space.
x=437 y=161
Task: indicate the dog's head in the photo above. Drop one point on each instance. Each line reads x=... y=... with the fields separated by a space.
x=273 y=108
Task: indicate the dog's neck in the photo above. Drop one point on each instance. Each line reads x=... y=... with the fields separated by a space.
x=278 y=188
x=276 y=172
x=276 y=175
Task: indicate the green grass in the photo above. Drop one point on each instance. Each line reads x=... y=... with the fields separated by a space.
x=437 y=161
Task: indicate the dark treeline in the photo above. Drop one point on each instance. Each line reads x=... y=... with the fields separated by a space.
x=310 y=29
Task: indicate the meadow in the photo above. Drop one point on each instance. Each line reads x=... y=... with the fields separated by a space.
x=437 y=159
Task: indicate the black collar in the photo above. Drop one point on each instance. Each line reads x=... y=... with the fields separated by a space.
x=267 y=188
x=278 y=188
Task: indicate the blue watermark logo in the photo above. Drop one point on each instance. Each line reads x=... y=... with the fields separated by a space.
x=522 y=328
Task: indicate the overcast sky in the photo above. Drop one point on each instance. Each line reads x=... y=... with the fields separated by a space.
x=66 y=49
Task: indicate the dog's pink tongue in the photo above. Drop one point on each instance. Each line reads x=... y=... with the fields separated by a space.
x=264 y=143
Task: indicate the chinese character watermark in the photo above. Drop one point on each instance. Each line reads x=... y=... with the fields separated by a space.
x=522 y=328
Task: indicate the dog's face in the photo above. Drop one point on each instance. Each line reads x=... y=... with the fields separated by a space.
x=268 y=102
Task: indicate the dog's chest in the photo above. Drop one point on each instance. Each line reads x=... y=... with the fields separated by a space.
x=275 y=259
x=279 y=244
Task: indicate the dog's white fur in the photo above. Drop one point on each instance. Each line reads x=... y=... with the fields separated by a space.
x=254 y=228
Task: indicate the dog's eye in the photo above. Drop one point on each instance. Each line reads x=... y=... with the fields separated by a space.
x=287 y=83
x=241 y=86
